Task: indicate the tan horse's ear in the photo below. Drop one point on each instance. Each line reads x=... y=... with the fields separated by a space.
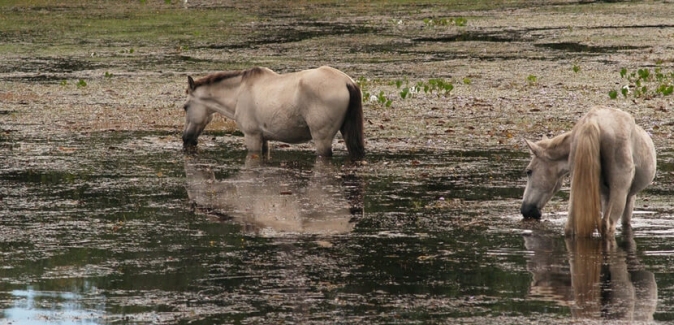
x=535 y=149
x=191 y=83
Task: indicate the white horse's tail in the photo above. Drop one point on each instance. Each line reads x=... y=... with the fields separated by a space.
x=352 y=127
x=585 y=199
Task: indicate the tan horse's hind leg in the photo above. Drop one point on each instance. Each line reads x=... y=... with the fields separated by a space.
x=323 y=147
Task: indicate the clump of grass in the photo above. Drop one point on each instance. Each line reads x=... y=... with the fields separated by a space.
x=576 y=68
x=81 y=83
x=532 y=80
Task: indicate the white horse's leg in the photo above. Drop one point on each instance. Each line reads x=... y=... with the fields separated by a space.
x=617 y=203
x=627 y=214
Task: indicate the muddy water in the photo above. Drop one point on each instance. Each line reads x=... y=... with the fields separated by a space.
x=123 y=228
x=103 y=220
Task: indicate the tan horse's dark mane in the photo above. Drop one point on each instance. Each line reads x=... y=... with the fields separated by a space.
x=220 y=76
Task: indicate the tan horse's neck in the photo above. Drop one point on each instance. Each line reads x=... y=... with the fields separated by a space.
x=211 y=95
x=220 y=91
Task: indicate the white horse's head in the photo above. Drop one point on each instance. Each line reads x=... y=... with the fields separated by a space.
x=197 y=115
x=545 y=175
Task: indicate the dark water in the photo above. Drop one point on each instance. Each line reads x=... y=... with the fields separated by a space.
x=123 y=228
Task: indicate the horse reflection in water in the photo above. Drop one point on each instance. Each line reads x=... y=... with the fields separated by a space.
x=605 y=280
x=275 y=200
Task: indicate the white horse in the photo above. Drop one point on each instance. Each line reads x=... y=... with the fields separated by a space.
x=610 y=159
x=595 y=278
x=293 y=108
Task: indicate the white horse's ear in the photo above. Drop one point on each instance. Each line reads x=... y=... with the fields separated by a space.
x=191 y=83
x=535 y=149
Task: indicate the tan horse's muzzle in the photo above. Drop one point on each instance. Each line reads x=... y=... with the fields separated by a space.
x=530 y=211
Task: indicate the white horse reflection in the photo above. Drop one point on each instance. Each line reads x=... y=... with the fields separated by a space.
x=601 y=280
x=275 y=200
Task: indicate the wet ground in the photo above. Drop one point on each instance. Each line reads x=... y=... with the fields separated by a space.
x=103 y=219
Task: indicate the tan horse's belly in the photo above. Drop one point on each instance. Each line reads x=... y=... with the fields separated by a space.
x=292 y=134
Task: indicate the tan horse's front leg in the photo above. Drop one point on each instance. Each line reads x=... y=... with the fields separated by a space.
x=323 y=147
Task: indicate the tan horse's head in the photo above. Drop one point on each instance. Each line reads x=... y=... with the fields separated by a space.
x=545 y=174
x=197 y=116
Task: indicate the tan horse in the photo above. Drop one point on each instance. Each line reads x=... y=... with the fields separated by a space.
x=610 y=159
x=275 y=201
x=293 y=108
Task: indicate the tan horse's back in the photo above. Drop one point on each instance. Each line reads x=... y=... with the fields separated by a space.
x=306 y=105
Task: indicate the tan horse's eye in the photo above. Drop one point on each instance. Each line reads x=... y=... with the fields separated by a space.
x=529 y=172
x=185 y=107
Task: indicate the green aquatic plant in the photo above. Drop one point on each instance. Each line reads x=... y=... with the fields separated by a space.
x=363 y=84
x=405 y=92
x=440 y=86
x=645 y=83
x=382 y=99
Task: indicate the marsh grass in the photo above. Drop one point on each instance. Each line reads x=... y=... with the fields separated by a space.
x=64 y=27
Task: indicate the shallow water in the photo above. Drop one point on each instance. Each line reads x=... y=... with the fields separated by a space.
x=108 y=227
x=122 y=227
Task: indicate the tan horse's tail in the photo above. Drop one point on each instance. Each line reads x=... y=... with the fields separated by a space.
x=352 y=127
x=585 y=200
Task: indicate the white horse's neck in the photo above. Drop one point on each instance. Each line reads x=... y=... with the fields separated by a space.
x=557 y=148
